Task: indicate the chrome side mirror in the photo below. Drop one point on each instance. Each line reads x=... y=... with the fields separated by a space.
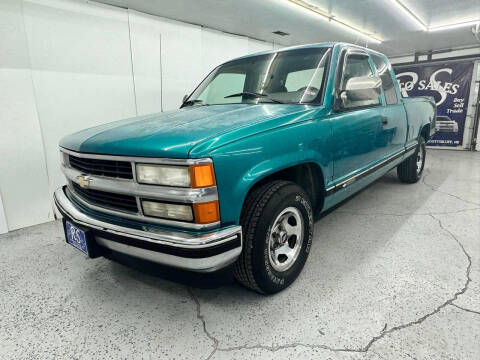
x=360 y=91
x=363 y=88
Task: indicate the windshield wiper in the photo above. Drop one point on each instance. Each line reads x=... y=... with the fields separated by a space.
x=254 y=94
x=191 y=102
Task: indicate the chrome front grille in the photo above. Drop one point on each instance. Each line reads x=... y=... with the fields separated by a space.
x=107 y=199
x=110 y=186
x=110 y=168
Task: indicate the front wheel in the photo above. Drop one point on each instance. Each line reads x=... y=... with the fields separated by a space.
x=277 y=223
x=410 y=170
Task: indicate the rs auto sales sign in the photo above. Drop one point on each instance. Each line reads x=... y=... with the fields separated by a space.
x=449 y=85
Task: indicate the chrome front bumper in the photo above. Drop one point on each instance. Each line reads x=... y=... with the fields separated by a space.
x=197 y=252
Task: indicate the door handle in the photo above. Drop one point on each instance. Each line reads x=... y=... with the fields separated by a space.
x=384 y=120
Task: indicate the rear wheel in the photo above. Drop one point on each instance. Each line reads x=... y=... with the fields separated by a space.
x=410 y=170
x=277 y=222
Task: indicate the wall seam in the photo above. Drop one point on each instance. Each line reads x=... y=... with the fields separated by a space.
x=3 y=217
x=161 y=71
x=34 y=91
x=131 y=62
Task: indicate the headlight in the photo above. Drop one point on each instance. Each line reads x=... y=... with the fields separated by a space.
x=167 y=211
x=195 y=176
x=163 y=175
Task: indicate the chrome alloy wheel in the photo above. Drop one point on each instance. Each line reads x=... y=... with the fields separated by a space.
x=420 y=156
x=285 y=239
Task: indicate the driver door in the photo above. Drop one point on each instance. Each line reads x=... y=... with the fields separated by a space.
x=356 y=125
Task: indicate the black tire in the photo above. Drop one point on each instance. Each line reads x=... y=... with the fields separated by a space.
x=262 y=208
x=408 y=171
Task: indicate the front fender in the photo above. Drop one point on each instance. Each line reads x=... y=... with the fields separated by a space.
x=242 y=164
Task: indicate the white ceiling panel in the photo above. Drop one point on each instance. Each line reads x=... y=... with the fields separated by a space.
x=440 y=12
x=383 y=18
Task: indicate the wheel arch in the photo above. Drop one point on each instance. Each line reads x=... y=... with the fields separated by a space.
x=425 y=132
x=308 y=175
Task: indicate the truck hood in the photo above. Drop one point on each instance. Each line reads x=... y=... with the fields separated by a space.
x=173 y=134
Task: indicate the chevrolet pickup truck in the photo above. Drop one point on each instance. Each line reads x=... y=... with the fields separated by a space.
x=237 y=175
x=443 y=124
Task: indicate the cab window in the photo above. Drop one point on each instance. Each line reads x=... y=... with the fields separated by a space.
x=357 y=66
x=387 y=82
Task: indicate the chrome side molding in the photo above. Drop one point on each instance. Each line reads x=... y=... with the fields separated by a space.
x=345 y=183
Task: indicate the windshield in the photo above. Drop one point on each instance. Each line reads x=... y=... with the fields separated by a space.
x=294 y=77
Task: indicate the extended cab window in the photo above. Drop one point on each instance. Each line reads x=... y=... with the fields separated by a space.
x=387 y=83
x=293 y=77
x=357 y=66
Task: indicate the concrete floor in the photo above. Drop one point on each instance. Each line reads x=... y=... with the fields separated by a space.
x=394 y=273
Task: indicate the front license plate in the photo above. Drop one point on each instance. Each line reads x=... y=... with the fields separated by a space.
x=76 y=237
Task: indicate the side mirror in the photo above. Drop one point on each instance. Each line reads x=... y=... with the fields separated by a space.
x=185 y=97
x=359 y=91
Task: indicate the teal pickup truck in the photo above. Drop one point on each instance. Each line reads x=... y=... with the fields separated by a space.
x=238 y=173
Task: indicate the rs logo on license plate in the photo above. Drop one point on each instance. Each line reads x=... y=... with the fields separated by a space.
x=76 y=237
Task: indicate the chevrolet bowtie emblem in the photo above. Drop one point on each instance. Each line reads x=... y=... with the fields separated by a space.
x=83 y=180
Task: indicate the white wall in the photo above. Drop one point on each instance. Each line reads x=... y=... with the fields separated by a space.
x=218 y=47
x=66 y=65
x=446 y=54
x=3 y=219
x=475 y=100
x=470 y=115
x=145 y=41
x=255 y=46
x=23 y=175
x=81 y=70
x=181 y=46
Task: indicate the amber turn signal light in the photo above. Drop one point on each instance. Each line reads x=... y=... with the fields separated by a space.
x=206 y=212
x=202 y=175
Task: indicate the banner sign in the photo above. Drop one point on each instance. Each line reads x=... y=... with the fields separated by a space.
x=449 y=85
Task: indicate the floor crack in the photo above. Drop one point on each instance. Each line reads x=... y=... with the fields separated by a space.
x=287 y=346
x=465 y=309
x=383 y=332
x=204 y=323
x=354 y=212
x=440 y=307
x=433 y=188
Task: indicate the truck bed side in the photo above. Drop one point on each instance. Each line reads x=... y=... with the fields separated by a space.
x=420 y=117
